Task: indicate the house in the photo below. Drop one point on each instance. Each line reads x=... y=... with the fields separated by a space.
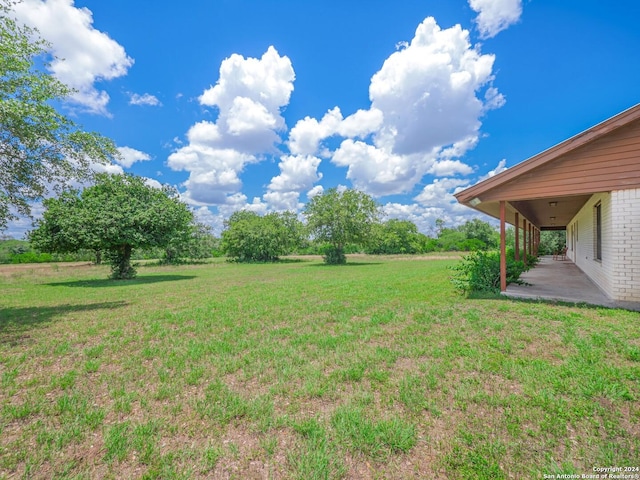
x=588 y=185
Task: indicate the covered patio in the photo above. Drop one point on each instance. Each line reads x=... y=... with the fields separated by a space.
x=561 y=280
x=588 y=186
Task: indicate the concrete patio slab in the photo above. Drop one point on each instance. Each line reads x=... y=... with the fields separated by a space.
x=561 y=280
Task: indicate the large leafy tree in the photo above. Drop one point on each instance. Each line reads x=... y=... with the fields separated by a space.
x=341 y=217
x=249 y=237
x=117 y=215
x=195 y=243
x=396 y=236
x=476 y=229
x=472 y=235
x=39 y=147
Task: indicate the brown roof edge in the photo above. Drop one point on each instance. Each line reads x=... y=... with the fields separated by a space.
x=582 y=138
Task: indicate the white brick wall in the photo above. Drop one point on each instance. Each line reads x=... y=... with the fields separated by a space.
x=582 y=250
x=618 y=273
x=626 y=241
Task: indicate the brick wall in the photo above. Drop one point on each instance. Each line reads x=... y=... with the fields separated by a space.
x=617 y=273
x=583 y=249
x=625 y=254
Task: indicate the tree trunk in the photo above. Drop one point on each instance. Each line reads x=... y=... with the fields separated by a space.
x=121 y=268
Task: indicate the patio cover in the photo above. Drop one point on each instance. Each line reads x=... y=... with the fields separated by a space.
x=546 y=191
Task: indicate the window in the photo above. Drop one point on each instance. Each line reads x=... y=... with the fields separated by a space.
x=598 y=232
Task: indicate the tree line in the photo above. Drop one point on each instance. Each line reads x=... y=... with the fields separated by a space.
x=41 y=149
x=342 y=222
x=120 y=214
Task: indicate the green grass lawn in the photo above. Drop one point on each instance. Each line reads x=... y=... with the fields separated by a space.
x=377 y=369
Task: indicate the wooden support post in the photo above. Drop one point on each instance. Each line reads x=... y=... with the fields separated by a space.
x=533 y=238
x=503 y=247
x=530 y=238
x=524 y=241
x=517 y=225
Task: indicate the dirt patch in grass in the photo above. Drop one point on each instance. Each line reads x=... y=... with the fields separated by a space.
x=499 y=386
x=46 y=269
x=252 y=387
x=246 y=454
x=213 y=372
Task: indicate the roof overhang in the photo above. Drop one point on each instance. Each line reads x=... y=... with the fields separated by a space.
x=551 y=213
x=551 y=208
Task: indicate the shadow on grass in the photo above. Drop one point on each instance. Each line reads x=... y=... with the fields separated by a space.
x=484 y=296
x=185 y=263
x=15 y=320
x=268 y=262
x=566 y=303
x=295 y=260
x=348 y=264
x=99 y=283
x=541 y=301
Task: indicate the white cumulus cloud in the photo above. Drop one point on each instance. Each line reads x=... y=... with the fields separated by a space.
x=213 y=173
x=317 y=190
x=144 y=99
x=152 y=182
x=425 y=216
x=249 y=96
x=101 y=168
x=129 y=156
x=305 y=137
x=427 y=101
x=361 y=123
x=501 y=167
x=83 y=55
x=440 y=192
x=495 y=15
x=298 y=173
x=378 y=170
x=282 y=201
x=444 y=168
x=427 y=92
x=435 y=201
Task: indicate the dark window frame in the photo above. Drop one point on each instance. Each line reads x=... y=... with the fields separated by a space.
x=598 y=231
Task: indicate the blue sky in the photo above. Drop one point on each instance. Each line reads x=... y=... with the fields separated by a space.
x=262 y=104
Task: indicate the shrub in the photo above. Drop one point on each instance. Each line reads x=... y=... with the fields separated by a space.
x=193 y=244
x=394 y=237
x=250 y=237
x=472 y=244
x=532 y=261
x=30 y=257
x=480 y=272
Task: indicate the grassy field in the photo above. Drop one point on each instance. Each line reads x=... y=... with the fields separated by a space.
x=377 y=369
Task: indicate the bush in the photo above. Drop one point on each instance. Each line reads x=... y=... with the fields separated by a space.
x=394 y=237
x=472 y=244
x=31 y=257
x=480 y=272
x=192 y=245
x=250 y=237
